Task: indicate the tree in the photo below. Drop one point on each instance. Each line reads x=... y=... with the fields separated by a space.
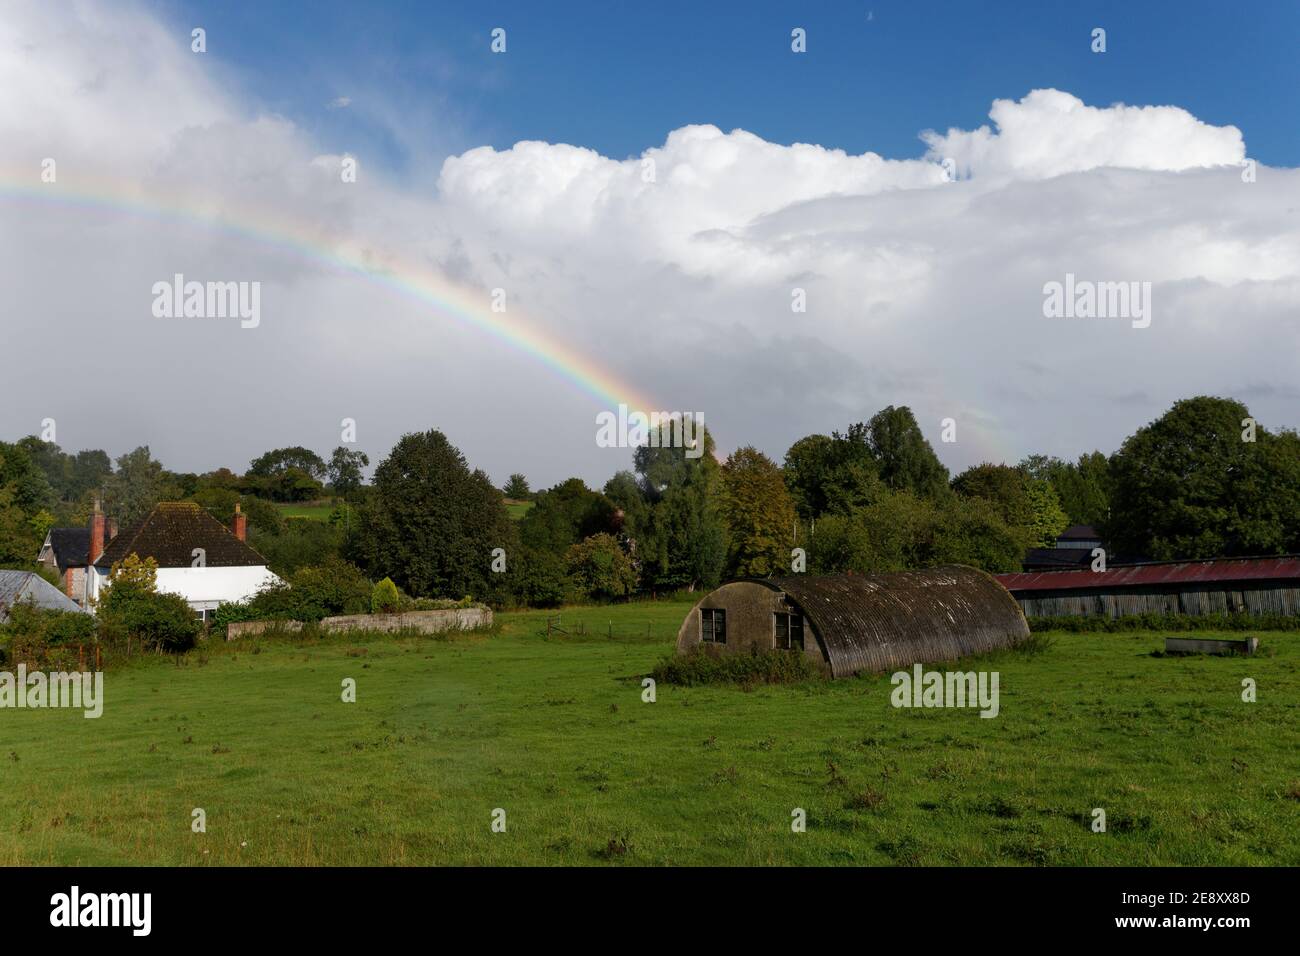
x=759 y=513
x=1049 y=518
x=564 y=515
x=23 y=476
x=280 y=460
x=133 y=607
x=894 y=533
x=25 y=494
x=1083 y=487
x=971 y=531
x=1006 y=488
x=345 y=470
x=598 y=567
x=136 y=486
x=684 y=544
x=905 y=458
x=88 y=470
x=431 y=523
x=1189 y=485
x=835 y=475
x=516 y=488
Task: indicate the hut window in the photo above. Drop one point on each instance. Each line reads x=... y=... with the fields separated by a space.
x=713 y=626
x=789 y=631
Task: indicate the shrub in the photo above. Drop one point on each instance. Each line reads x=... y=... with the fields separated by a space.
x=598 y=567
x=311 y=593
x=39 y=636
x=385 y=599
x=1081 y=623
x=706 y=666
x=133 y=608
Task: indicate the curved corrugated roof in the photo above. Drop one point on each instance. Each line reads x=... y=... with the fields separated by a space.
x=879 y=622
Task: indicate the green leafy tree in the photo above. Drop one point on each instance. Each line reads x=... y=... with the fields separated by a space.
x=516 y=488
x=894 y=533
x=299 y=543
x=27 y=483
x=280 y=460
x=346 y=469
x=430 y=522
x=1049 y=518
x=1006 y=488
x=759 y=514
x=1083 y=487
x=684 y=544
x=599 y=568
x=133 y=608
x=971 y=531
x=834 y=475
x=139 y=483
x=564 y=515
x=904 y=456
x=1188 y=486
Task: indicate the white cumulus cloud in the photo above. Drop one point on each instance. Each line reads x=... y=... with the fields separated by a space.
x=674 y=271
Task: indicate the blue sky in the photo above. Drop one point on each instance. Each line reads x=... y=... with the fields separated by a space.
x=616 y=77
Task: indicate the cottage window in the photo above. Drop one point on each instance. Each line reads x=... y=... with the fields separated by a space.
x=713 y=626
x=789 y=631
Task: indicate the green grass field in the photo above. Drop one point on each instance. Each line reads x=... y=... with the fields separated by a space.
x=312 y=510
x=517 y=509
x=554 y=732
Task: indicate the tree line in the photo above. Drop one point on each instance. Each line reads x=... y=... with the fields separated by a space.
x=1203 y=480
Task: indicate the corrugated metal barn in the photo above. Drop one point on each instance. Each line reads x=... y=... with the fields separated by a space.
x=849 y=623
x=1218 y=586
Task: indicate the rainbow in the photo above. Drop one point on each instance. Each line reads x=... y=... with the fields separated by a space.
x=471 y=307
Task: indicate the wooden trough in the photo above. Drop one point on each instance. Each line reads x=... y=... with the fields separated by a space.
x=1205 y=645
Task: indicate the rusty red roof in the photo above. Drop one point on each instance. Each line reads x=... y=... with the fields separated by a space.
x=1157 y=573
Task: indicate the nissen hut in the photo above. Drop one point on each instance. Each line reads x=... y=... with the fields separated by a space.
x=859 y=622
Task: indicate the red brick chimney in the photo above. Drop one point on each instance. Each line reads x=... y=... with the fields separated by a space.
x=97 y=526
x=239 y=525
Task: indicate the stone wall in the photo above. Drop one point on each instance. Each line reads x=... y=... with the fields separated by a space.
x=425 y=622
x=253 y=628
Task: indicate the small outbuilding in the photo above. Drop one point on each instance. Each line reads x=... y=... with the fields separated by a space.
x=849 y=623
x=30 y=588
x=1252 y=586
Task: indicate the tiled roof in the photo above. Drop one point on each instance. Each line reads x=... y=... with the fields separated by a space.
x=1281 y=568
x=70 y=546
x=1084 y=532
x=170 y=533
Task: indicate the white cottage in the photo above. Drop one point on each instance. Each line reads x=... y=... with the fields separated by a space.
x=198 y=558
